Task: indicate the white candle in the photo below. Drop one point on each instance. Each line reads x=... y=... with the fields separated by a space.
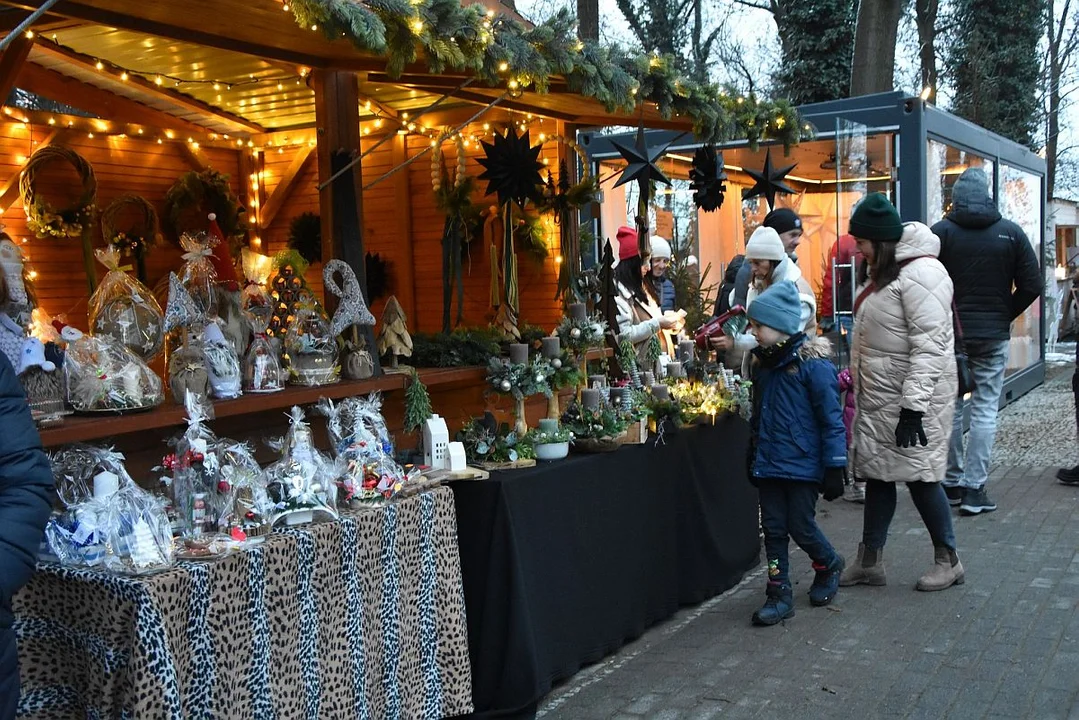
x=105 y=484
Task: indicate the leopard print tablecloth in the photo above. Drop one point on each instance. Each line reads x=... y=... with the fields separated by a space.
x=363 y=618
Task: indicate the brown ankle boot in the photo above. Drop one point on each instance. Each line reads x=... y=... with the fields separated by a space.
x=946 y=571
x=868 y=569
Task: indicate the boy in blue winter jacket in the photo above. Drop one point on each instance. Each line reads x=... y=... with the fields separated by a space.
x=800 y=447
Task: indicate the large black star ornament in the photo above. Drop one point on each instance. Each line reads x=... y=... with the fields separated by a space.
x=706 y=178
x=512 y=168
x=641 y=163
x=769 y=181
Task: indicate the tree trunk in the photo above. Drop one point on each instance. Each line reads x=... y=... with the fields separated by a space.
x=875 y=38
x=925 y=17
x=588 y=19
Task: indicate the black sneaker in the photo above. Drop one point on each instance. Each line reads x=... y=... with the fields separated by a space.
x=954 y=493
x=976 y=502
x=1069 y=476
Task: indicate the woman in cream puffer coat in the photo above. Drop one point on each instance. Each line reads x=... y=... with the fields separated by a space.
x=903 y=356
x=903 y=366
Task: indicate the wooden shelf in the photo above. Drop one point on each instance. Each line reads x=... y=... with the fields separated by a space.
x=169 y=415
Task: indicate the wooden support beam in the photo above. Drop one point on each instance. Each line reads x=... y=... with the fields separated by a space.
x=236 y=122
x=337 y=116
x=281 y=193
x=104 y=104
x=522 y=105
x=11 y=62
x=248 y=162
x=9 y=190
x=402 y=197
x=193 y=158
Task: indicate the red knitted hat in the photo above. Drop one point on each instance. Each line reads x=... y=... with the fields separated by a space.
x=222 y=260
x=627 y=243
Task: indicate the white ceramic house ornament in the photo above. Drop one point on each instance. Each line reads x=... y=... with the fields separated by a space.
x=457 y=457
x=436 y=440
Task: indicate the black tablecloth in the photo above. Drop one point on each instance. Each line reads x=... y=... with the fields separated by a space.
x=566 y=562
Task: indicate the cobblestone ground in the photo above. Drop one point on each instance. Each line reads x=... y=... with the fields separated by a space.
x=1005 y=644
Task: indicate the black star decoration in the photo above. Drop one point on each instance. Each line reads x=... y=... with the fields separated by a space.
x=641 y=163
x=512 y=168
x=706 y=178
x=769 y=182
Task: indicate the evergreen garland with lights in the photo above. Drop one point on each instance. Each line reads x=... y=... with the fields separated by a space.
x=499 y=51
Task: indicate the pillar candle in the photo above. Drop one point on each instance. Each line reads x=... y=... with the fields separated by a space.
x=660 y=392
x=648 y=379
x=674 y=369
x=578 y=311
x=685 y=350
x=548 y=425
x=590 y=398
x=552 y=347
x=597 y=381
x=518 y=353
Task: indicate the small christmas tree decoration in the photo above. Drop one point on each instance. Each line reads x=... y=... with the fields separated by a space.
x=287 y=288
x=393 y=337
x=769 y=181
x=707 y=178
x=417 y=403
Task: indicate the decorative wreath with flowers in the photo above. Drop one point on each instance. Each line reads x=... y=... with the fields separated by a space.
x=45 y=219
x=133 y=238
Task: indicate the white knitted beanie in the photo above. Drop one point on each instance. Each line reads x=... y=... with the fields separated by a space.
x=764 y=244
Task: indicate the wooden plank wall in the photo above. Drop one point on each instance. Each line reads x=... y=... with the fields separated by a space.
x=131 y=165
x=387 y=235
x=122 y=165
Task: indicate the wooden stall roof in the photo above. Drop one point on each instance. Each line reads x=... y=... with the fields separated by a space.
x=244 y=70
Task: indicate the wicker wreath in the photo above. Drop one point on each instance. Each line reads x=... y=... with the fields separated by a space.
x=42 y=218
x=197 y=194
x=134 y=238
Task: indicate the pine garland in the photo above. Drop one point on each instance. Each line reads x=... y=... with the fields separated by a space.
x=499 y=51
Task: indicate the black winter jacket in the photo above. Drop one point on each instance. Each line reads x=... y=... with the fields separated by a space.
x=989 y=259
x=25 y=491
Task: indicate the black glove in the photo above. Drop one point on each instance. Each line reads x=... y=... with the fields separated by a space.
x=834 y=480
x=909 y=431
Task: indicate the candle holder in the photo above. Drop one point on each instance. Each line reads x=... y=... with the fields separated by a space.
x=521 y=380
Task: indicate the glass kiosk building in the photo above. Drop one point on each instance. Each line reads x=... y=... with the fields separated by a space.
x=886 y=143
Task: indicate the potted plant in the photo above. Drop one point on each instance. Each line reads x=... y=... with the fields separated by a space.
x=549 y=441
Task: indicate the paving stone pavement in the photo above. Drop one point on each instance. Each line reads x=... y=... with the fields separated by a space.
x=1003 y=645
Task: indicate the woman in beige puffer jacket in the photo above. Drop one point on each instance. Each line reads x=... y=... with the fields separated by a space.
x=903 y=366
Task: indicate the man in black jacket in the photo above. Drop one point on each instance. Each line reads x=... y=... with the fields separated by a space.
x=996 y=277
x=25 y=492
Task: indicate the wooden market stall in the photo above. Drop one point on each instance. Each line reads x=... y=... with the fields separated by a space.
x=145 y=92
x=337 y=109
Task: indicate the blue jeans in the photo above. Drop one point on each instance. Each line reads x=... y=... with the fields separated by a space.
x=987 y=362
x=788 y=511
x=929 y=498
